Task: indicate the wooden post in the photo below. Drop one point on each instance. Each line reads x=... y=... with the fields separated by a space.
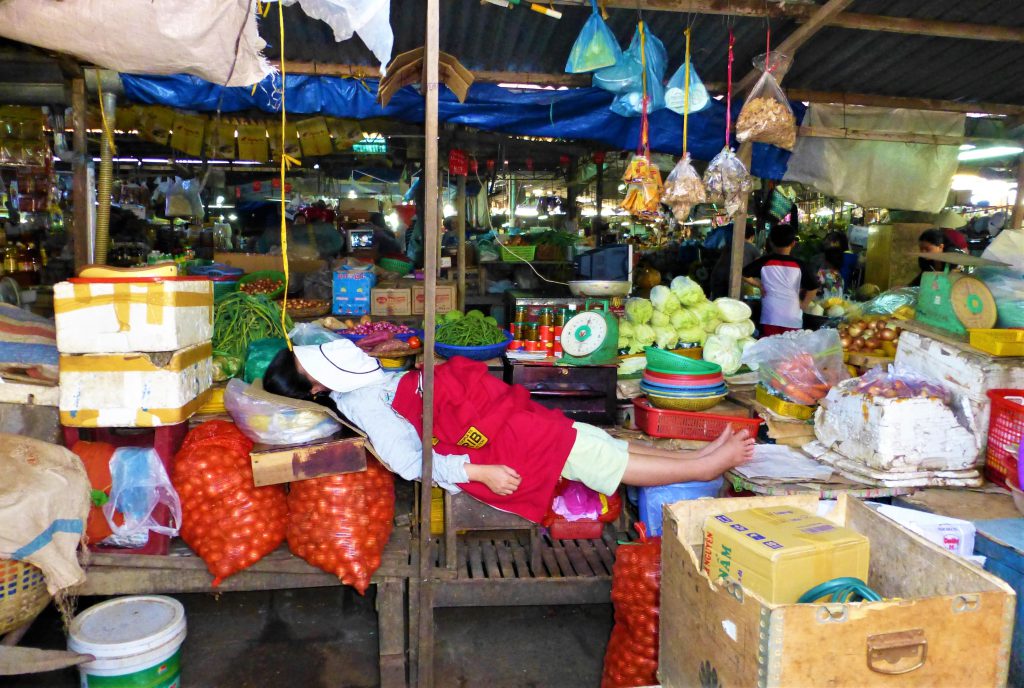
x=1018 y=202
x=81 y=198
x=425 y=623
x=598 y=202
x=460 y=227
x=572 y=224
x=739 y=230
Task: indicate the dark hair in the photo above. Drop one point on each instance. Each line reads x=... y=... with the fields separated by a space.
x=935 y=237
x=782 y=236
x=834 y=257
x=750 y=231
x=282 y=377
x=837 y=240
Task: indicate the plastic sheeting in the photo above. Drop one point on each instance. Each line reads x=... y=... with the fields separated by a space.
x=908 y=176
x=573 y=114
x=371 y=19
x=186 y=36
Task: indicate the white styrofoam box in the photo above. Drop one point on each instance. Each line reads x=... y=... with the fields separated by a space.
x=166 y=314
x=953 y=534
x=966 y=373
x=893 y=434
x=134 y=390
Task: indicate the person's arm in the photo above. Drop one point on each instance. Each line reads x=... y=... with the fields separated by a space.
x=752 y=272
x=808 y=297
x=809 y=283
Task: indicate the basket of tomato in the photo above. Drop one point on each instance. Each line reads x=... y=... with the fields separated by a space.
x=269 y=283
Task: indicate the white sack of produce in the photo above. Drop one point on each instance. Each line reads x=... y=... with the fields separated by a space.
x=894 y=422
x=44 y=502
x=196 y=37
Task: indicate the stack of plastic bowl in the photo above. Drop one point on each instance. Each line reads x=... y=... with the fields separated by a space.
x=679 y=383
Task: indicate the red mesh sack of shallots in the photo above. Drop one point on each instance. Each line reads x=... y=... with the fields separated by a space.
x=225 y=519
x=341 y=523
x=632 y=655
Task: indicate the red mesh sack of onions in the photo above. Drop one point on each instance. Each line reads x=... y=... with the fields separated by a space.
x=341 y=523
x=632 y=655
x=227 y=521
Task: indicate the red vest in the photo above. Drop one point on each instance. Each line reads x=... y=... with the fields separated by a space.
x=496 y=424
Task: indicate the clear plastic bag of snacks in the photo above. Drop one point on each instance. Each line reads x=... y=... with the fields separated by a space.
x=727 y=180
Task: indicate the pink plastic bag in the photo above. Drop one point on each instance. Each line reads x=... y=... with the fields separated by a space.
x=577 y=502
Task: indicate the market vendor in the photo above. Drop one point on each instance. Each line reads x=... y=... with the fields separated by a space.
x=933 y=241
x=491 y=439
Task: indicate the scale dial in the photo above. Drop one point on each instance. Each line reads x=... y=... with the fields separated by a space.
x=584 y=333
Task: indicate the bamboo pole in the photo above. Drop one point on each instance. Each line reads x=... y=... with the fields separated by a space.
x=1018 y=202
x=425 y=623
x=460 y=226
x=739 y=230
x=81 y=197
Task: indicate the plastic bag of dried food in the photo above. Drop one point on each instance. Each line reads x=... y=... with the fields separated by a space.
x=645 y=187
x=683 y=189
x=727 y=180
x=766 y=117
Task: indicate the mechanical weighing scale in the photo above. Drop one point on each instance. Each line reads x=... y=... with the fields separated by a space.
x=591 y=337
x=952 y=301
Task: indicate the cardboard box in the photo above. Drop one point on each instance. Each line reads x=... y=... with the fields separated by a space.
x=943 y=622
x=782 y=552
x=390 y=299
x=254 y=262
x=110 y=315
x=134 y=390
x=341 y=453
x=446 y=298
x=352 y=292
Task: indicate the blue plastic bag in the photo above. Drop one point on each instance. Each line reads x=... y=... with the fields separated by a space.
x=625 y=75
x=629 y=102
x=675 y=93
x=595 y=47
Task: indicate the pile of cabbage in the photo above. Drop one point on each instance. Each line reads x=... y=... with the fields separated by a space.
x=680 y=315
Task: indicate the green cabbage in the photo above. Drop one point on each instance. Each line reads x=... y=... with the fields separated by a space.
x=643 y=336
x=660 y=319
x=687 y=291
x=736 y=330
x=624 y=341
x=664 y=300
x=684 y=318
x=639 y=311
x=711 y=326
x=665 y=338
x=724 y=351
x=692 y=335
x=732 y=310
x=625 y=328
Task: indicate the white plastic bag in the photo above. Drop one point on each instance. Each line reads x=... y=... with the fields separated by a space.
x=371 y=19
x=675 y=92
x=177 y=202
x=727 y=180
x=311 y=334
x=683 y=189
x=766 y=116
x=269 y=419
x=138 y=483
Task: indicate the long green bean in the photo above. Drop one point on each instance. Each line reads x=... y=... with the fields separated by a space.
x=240 y=318
x=469 y=332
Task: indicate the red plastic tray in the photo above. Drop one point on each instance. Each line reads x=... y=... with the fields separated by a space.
x=687 y=425
x=1005 y=429
x=576 y=530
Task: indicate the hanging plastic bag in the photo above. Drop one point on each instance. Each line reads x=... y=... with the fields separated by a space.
x=800 y=366
x=675 y=92
x=766 y=116
x=341 y=523
x=629 y=103
x=138 y=483
x=177 y=202
x=727 y=180
x=627 y=73
x=643 y=196
x=259 y=355
x=311 y=334
x=271 y=419
x=595 y=47
x=227 y=521
x=683 y=189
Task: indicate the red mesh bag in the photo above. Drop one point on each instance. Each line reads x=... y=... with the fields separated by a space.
x=226 y=520
x=341 y=523
x=632 y=655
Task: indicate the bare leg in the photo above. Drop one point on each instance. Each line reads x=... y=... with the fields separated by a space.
x=645 y=469
x=676 y=454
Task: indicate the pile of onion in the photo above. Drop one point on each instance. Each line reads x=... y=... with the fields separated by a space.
x=867 y=336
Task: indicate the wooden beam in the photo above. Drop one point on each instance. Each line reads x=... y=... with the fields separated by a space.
x=931 y=139
x=81 y=193
x=739 y=230
x=460 y=224
x=795 y=40
x=928 y=27
x=870 y=99
x=487 y=76
x=1018 y=201
x=732 y=8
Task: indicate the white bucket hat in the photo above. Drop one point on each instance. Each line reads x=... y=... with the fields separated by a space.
x=341 y=366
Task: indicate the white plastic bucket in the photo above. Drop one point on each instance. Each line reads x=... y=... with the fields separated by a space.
x=136 y=642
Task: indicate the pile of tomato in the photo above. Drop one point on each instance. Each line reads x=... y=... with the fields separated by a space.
x=225 y=519
x=632 y=655
x=341 y=523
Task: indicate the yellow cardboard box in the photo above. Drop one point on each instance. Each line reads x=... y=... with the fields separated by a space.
x=780 y=553
x=390 y=298
x=446 y=297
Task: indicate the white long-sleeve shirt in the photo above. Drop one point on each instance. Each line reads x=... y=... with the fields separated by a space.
x=395 y=439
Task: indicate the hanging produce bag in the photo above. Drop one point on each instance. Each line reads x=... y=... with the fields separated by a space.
x=649 y=54
x=341 y=523
x=225 y=519
x=766 y=116
x=645 y=187
x=683 y=189
x=727 y=180
x=595 y=47
x=627 y=73
x=675 y=92
x=632 y=655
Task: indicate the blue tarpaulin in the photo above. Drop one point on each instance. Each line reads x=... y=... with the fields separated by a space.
x=581 y=113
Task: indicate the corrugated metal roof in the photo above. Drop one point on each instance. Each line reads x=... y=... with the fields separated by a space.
x=487 y=37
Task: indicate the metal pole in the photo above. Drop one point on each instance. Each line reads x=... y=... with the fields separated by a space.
x=425 y=623
x=739 y=230
x=460 y=203
x=81 y=196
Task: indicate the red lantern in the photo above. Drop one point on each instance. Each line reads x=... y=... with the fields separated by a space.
x=563 y=161
x=529 y=164
x=287 y=187
x=257 y=186
x=457 y=162
x=238 y=192
x=490 y=165
x=275 y=183
x=599 y=157
x=474 y=166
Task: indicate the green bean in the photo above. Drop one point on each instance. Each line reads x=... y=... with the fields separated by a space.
x=241 y=318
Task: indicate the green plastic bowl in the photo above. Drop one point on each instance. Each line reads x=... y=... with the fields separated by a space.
x=661 y=361
x=264 y=274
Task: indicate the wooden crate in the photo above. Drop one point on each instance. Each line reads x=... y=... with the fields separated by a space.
x=948 y=623
x=340 y=453
x=1001 y=541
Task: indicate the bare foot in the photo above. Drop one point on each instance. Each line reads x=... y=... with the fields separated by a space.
x=715 y=443
x=735 y=451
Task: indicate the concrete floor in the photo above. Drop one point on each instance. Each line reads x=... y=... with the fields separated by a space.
x=327 y=638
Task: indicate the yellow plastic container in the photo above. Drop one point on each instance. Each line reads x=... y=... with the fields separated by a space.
x=779 y=553
x=999 y=342
x=781 y=406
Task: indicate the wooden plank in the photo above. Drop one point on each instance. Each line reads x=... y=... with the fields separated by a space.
x=792 y=43
x=460 y=227
x=80 y=182
x=731 y=8
x=606 y=555
x=963 y=504
x=579 y=562
x=589 y=552
x=468 y=513
x=929 y=139
x=551 y=563
x=508 y=569
x=928 y=27
x=490 y=559
x=476 y=558
x=391 y=616
x=739 y=229
x=522 y=566
x=1018 y=203
x=562 y=559
x=333 y=456
x=522 y=592
x=886 y=101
